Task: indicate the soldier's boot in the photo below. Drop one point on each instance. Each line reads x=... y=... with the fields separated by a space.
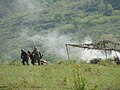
x=27 y=62
x=39 y=62
x=32 y=62
x=23 y=62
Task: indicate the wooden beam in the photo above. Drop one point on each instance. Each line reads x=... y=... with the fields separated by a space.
x=67 y=52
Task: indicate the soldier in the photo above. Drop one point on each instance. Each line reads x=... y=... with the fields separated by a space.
x=95 y=61
x=24 y=57
x=31 y=57
x=117 y=60
x=37 y=55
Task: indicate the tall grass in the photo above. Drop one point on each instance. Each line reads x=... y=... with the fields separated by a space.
x=63 y=75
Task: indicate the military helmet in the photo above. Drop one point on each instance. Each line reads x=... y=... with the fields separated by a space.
x=22 y=50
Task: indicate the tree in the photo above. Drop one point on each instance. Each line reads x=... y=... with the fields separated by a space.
x=105 y=8
x=108 y=37
x=108 y=10
x=58 y=18
x=67 y=28
x=101 y=6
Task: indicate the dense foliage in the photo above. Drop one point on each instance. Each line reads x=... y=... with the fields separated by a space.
x=98 y=18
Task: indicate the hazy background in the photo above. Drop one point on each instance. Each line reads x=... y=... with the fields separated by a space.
x=50 y=24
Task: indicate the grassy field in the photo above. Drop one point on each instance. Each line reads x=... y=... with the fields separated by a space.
x=62 y=75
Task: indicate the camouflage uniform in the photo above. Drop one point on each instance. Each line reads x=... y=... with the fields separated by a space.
x=117 y=60
x=31 y=57
x=36 y=55
x=24 y=57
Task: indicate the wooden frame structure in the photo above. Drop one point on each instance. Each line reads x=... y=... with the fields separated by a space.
x=101 y=45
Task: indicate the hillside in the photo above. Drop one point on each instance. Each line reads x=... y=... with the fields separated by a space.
x=49 y=24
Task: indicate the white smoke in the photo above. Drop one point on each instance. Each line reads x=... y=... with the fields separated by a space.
x=87 y=40
x=88 y=54
x=55 y=43
x=52 y=42
x=115 y=54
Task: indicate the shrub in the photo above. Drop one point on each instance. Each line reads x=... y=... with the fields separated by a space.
x=79 y=82
x=107 y=62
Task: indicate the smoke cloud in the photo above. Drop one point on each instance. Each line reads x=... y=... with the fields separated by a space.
x=54 y=43
x=90 y=54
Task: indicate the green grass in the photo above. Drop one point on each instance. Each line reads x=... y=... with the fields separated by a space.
x=64 y=75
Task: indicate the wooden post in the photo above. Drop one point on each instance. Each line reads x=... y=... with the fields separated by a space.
x=67 y=52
